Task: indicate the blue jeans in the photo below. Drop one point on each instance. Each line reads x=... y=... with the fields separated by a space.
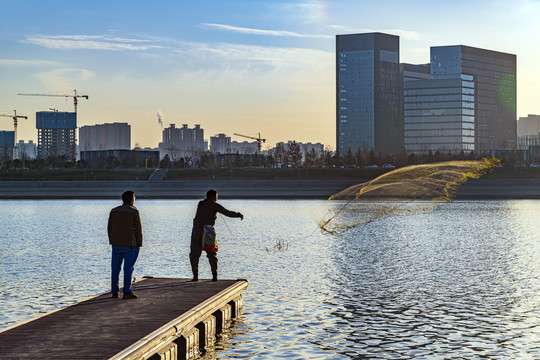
x=119 y=254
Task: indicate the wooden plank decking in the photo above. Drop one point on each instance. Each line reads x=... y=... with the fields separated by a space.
x=102 y=327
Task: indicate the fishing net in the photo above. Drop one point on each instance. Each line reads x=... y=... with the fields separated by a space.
x=404 y=190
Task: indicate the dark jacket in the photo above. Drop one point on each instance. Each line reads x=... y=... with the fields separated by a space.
x=124 y=226
x=207 y=210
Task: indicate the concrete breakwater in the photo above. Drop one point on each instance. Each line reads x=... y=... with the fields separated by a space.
x=242 y=189
x=233 y=189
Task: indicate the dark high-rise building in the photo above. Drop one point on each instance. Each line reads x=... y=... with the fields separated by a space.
x=56 y=134
x=368 y=93
x=439 y=115
x=410 y=72
x=494 y=77
x=467 y=104
x=463 y=100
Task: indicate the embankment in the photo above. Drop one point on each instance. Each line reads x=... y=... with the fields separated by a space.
x=232 y=189
x=241 y=189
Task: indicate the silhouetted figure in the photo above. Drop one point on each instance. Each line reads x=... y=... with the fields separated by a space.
x=203 y=223
x=125 y=236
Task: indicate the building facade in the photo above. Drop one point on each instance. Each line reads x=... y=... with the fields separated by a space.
x=468 y=103
x=182 y=142
x=438 y=115
x=494 y=76
x=115 y=136
x=56 y=134
x=220 y=144
x=368 y=93
x=529 y=125
x=110 y=159
x=528 y=131
x=463 y=100
x=245 y=147
x=410 y=72
x=26 y=150
x=7 y=145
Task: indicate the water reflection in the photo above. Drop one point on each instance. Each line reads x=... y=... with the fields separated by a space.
x=438 y=285
x=459 y=282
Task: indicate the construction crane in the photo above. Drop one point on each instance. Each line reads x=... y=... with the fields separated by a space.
x=258 y=139
x=75 y=97
x=15 y=118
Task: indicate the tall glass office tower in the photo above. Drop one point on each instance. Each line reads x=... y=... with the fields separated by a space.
x=439 y=114
x=469 y=104
x=368 y=93
x=494 y=77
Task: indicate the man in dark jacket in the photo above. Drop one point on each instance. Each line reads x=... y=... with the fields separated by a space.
x=206 y=215
x=125 y=236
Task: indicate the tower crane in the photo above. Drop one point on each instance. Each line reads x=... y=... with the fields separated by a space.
x=15 y=118
x=75 y=97
x=258 y=139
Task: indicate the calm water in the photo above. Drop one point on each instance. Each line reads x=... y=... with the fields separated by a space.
x=459 y=282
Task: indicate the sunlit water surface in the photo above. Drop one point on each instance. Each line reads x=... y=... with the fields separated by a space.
x=459 y=282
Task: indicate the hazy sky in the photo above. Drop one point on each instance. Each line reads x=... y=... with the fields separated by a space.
x=231 y=66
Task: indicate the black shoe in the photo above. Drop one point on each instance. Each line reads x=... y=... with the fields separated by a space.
x=214 y=278
x=114 y=296
x=195 y=279
x=129 y=295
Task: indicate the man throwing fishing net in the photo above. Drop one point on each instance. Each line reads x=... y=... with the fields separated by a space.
x=203 y=236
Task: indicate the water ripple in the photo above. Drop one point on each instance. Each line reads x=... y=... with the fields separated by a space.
x=459 y=282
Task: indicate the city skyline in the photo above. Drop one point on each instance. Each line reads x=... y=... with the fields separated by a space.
x=230 y=66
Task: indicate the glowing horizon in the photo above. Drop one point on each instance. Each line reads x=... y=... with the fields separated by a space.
x=261 y=66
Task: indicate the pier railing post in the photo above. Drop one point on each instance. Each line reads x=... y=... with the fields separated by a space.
x=207 y=332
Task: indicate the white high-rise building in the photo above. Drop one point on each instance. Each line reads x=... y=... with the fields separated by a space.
x=528 y=131
x=26 y=150
x=220 y=144
x=115 y=136
x=182 y=142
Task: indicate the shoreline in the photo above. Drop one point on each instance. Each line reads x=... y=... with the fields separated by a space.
x=482 y=189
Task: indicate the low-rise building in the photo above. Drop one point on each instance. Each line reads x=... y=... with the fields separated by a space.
x=528 y=131
x=110 y=159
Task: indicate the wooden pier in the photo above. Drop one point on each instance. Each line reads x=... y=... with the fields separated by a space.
x=171 y=319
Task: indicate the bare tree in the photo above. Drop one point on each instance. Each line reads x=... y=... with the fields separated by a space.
x=312 y=159
x=294 y=154
x=174 y=152
x=328 y=155
x=280 y=154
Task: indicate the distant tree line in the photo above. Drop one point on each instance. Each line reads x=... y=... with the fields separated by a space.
x=290 y=157
x=364 y=157
x=51 y=162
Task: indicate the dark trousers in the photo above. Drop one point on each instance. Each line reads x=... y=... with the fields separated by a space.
x=196 y=251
